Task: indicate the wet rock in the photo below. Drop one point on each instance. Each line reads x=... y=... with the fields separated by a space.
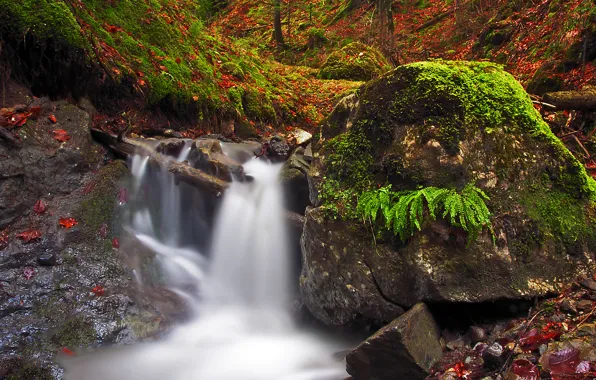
x=278 y=149
x=332 y=294
x=171 y=147
x=404 y=349
x=494 y=356
x=441 y=263
x=293 y=178
x=47 y=260
x=568 y=306
x=207 y=155
x=477 y=334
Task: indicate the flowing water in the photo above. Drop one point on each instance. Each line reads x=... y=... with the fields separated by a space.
x=239 y=289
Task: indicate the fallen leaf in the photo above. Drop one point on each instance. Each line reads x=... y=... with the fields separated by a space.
x=525 y=370
x=29 y=235
x=29 y=273
x=115 y=243
x=98 y=290
x=178 y=60
x=103 y=230
x=67 y=351
x=61 y=135
x=35 y=111
x=68 y=222
x=52 y=119
x=40 y=207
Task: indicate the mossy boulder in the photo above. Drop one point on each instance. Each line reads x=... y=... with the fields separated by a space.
x=443 y=124
x=355 y=61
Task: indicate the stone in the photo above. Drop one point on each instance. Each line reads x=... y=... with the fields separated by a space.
x=404 y=349
x=384 y=136
x=47 y=260
x=588 y=283
x=278 y=149
x=293 y=177
x=300 y=137
x=370 y=63
x=493 y=356
x=568 y=306
x=477 y=334
x=584 y=305
x=207 y=155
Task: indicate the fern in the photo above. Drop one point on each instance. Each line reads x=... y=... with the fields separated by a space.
x=404 y=212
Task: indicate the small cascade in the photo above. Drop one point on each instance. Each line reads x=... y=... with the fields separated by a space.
x=235 y=277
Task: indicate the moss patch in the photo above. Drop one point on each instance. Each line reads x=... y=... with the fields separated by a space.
x=472 y=104
x=76 y=332
x=99 y=205
x=355 y=61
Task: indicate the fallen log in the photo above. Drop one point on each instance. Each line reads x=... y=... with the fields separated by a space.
x=584 y=99
x=126 y=147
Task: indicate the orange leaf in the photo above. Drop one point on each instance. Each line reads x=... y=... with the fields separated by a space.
x=29 y=235
x=52 y=118
x=61 y=135
x=67 y=351
x=68 y=222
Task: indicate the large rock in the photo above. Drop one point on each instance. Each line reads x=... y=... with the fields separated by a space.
x=404 y=349
x=69 y=288
x=443 y=124
x=293 y=177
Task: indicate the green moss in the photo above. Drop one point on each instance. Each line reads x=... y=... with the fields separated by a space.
x=76 y=332
x=99 y=205
x=28 y=370
x=44 y=18
x=449 y=102
x=355 y=61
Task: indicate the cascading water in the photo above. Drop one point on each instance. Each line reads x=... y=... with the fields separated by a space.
x=240 y=294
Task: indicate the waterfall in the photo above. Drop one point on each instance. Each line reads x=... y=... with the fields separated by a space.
x=239 y=289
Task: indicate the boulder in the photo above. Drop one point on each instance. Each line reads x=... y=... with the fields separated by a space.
x=207 y=155
x=444 y=125
x=294 y=180
x=404 y=349
x=355 y=61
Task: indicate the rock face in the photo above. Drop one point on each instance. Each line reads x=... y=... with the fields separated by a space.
x=443 y=124
x=404 y=349
x=70 y=287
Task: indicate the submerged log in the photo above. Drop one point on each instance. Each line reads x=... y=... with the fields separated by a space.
x=125 y=147
x=584 y=99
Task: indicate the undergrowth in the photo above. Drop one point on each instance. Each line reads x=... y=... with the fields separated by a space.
x=405 y=212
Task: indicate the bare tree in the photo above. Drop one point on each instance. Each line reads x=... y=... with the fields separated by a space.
x=277 y=33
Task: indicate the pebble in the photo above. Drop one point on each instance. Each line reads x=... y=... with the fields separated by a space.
x=47 y=260
x=493 y=355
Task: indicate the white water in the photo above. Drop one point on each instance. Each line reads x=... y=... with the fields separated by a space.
x=242 y=328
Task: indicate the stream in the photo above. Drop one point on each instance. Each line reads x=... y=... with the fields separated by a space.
x=236 y=279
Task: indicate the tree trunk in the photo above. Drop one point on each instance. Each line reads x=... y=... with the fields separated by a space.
x=573 y=100
x=279 y=38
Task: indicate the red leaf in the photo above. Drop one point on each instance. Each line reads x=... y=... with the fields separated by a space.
x=61 y=135
x=67 y=351
x=98 y=290
x=122 y=195
x=115 y=243
x=525 y=370
x=40 y=207
x=28 y=272
x=52 y=119
x=178 y=60
x=35 y=111
x=68 y=222
x=103 y=230
x=29 y=235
